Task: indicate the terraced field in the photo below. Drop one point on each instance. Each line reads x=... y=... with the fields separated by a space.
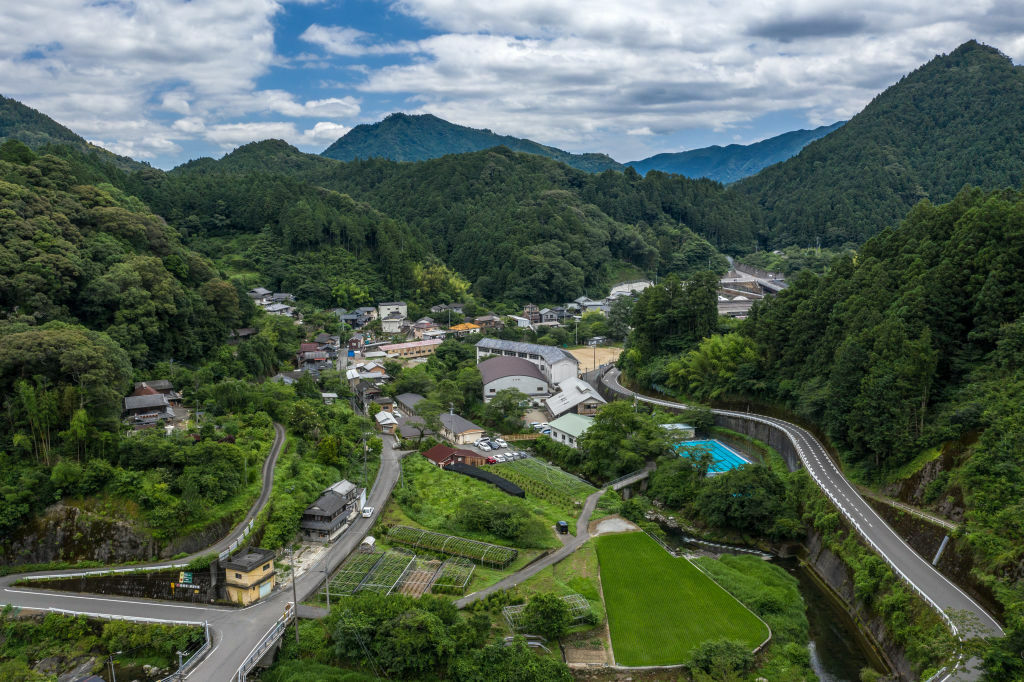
x=661 y=608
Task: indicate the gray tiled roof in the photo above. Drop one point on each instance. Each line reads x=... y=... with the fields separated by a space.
x=550 y=354
x=138 y=402
x=457 y=424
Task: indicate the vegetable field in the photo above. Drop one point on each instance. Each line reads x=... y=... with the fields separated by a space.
x=660 y=608
x=547 y=482
x=452 y=545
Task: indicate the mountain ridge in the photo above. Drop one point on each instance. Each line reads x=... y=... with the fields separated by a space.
x=734 y=161
x=956 y=120
x=421 y=137
x=36 y=130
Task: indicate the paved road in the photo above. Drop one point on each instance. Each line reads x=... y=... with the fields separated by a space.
x=234 y=631
x=570 y=546
x=934 y=587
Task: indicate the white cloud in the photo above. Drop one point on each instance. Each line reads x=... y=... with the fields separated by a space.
x=581 y=74
x=191 y=124
x=324 y=132
x=230 y=135
x=351 y=42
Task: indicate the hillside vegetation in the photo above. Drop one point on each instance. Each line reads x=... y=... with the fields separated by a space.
x=517 y=226
x=916 y=342
x=958 y=120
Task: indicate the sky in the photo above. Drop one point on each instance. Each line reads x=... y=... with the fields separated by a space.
x=166 y=81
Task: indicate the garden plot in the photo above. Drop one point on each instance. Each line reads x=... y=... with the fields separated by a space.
x=579 y=610
x=452 y=545
x=547 y=482
x=379 y=572
x=453 y=576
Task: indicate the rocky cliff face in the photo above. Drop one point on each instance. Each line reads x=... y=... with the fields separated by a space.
x=66 y=533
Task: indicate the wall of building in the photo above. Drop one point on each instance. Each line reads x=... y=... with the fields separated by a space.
x=531 y=386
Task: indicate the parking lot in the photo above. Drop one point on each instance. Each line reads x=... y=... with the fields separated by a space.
x=516 y=450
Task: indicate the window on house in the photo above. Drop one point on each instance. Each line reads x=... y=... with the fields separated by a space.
x=238 y=575
x=266 y=567
x=492 y=390
x=540 y=389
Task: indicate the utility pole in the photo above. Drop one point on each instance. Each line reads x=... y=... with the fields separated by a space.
x=327 y=586
x=364 y=460
x=295 y=596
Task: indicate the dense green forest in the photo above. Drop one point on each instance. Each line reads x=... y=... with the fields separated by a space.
x=734 y=161
x=956 y=120
x=517 y=226
x=405 y=137
x=914 y=343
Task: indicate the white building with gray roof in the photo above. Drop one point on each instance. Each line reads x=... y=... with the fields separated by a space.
x=555 y=364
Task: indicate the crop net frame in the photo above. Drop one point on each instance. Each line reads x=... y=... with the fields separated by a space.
x=452 y=545
x=549 y=476
x=380 y=572
x=453 y=576
x=579 y=610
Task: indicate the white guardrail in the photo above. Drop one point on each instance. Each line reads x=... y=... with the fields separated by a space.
x=788 y=430
x=268 y=640
x=234 y=545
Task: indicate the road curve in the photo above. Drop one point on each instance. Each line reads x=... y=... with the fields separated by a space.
x=935 y=588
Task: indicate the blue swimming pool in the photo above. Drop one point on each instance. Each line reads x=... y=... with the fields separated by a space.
x=724 y=457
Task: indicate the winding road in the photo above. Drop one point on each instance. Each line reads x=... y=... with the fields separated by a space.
x=941 y=593
x=234 y=631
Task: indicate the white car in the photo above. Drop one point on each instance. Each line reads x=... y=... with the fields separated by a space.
x=485 y=446
x=367 y=512
x=499 y=442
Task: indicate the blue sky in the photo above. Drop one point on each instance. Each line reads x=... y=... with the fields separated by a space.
x=165 y=81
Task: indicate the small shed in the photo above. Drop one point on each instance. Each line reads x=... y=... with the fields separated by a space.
x=368 y=544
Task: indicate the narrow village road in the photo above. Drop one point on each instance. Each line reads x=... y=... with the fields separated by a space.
x=234 y=631
x=943 y=595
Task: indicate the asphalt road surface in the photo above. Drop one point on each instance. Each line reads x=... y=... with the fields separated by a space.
x=934 y=587
x=235 y=632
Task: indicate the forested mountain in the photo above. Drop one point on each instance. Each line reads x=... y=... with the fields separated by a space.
x=37 y=130
x=259 y=205
x=917 y=342
x=518 y=226
x=957 y=120
x=405 y=137
x=735 y=161
x=95 y=256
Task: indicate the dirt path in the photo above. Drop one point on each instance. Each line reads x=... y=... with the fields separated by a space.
x=605 y=354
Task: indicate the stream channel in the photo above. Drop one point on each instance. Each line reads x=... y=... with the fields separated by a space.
x=838 y=648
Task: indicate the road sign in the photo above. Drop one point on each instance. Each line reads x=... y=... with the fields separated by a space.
x=185 y=577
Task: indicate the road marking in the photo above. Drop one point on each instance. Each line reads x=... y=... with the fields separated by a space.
x=116 y=601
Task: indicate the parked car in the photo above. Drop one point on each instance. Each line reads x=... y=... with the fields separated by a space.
x=491 y=460
x=367 y=512
x=478 y=441
x=563 y=527
x=545 y=432
x=485 y=446
x=500 y=442
x=398 y=415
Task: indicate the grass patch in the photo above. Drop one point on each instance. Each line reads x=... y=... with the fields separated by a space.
x=913 y=466
x=661 y=608
x=432 y=498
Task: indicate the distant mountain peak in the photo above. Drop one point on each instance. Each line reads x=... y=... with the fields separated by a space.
x=954 y=121
x=735 y=161
x=419 y=137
